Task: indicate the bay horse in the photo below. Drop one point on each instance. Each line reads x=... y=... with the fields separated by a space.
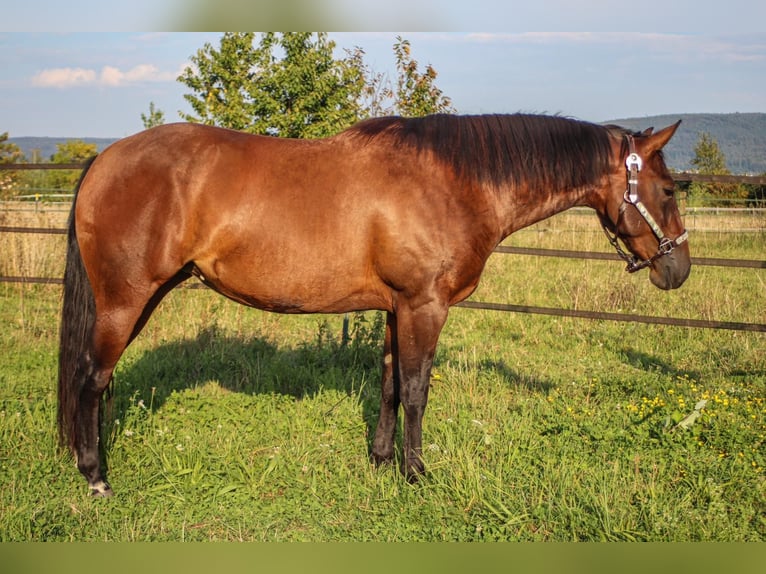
x=393 y=214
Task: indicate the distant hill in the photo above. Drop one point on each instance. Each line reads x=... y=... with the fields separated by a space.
x=741 y=137
x=44 y=148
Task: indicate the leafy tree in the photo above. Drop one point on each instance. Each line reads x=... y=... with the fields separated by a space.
x=708 y=157
x=156 y=117
x=220 y=81
x=71 y=151
x=416 y=92
x=290 y=85
x=307 y=93
x=287 y=85
x=709 y=160
x=9 y=153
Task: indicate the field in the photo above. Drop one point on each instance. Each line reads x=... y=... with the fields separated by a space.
x=228 y=423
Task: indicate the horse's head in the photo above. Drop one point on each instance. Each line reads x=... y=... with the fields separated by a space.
x=640 y=209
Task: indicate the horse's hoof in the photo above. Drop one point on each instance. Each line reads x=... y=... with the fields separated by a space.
x=381 y=459
x=101 y=490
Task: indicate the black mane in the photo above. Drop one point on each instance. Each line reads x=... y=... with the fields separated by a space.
x=551 y=151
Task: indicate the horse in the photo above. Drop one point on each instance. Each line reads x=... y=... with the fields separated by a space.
x=392 y=214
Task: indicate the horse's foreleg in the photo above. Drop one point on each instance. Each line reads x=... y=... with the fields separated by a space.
x=417 y=334
x=383 y=444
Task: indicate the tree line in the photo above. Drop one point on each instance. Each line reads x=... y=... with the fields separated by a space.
x=293 y=85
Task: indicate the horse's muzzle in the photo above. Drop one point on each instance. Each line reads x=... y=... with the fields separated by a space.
x=671 y=270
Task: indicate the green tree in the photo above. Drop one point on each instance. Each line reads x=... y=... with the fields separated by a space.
x=220 y=82
x=708 y=157
x=156 y=117
x=710 y=160
x=71 y=151
x=416 y=92
x=290 y=85
x=287 y=85
x=9 y=153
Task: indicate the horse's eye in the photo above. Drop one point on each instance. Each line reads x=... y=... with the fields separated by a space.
x=669 y=191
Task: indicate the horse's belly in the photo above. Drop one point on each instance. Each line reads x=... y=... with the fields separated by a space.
x=296 y=289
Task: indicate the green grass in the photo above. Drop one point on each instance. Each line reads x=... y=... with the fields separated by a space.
x=232 y=424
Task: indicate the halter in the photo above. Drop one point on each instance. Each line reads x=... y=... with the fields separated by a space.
x=634 y=163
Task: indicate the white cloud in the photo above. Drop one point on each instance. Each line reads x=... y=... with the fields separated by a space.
x=109 y=76
x=64 y=77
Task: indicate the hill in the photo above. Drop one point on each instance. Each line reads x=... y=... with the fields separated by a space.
x=741 y=137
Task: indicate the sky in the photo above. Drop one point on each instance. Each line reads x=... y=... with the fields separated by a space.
x=70 y=80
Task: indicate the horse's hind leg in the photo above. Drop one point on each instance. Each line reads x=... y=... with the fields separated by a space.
x=383 y=443
x=113 y=330
x=111 y=333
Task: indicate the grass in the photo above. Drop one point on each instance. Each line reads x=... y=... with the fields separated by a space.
x=233 y=424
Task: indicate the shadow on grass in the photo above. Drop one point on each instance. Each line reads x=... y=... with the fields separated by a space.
x=250 y=366
x=514 y=379
x=646 y=362
x=256 y=366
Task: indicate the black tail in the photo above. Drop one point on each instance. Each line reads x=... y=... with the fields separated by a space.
x=77 y=316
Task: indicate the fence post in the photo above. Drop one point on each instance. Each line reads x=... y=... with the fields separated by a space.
x=344 y=338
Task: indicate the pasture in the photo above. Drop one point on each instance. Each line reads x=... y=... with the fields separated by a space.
x=228 y=423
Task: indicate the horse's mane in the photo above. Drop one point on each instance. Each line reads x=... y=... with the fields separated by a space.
x=552 y=151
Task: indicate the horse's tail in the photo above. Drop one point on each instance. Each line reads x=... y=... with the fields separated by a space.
x=77 y=316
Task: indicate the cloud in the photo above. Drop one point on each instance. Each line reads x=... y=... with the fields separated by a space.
x=64 y=77
x=109 y=76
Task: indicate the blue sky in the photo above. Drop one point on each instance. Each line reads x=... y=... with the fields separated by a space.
x=58 y=82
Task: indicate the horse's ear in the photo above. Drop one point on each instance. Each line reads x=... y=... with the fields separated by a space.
x=647 y=131
x=655 y=142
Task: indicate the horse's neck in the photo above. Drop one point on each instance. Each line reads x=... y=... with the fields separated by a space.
x=527 y=207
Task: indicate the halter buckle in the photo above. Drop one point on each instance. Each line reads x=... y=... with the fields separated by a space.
x=634 y=159
x=666 y=246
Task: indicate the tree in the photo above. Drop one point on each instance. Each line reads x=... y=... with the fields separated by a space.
x=708 y=157
x=9 y=153
x=71 y=151
x=220 y=81
x=156 y=117
x=289 y=85
x=709 y=160
x=307 y=93
x=416 y=92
